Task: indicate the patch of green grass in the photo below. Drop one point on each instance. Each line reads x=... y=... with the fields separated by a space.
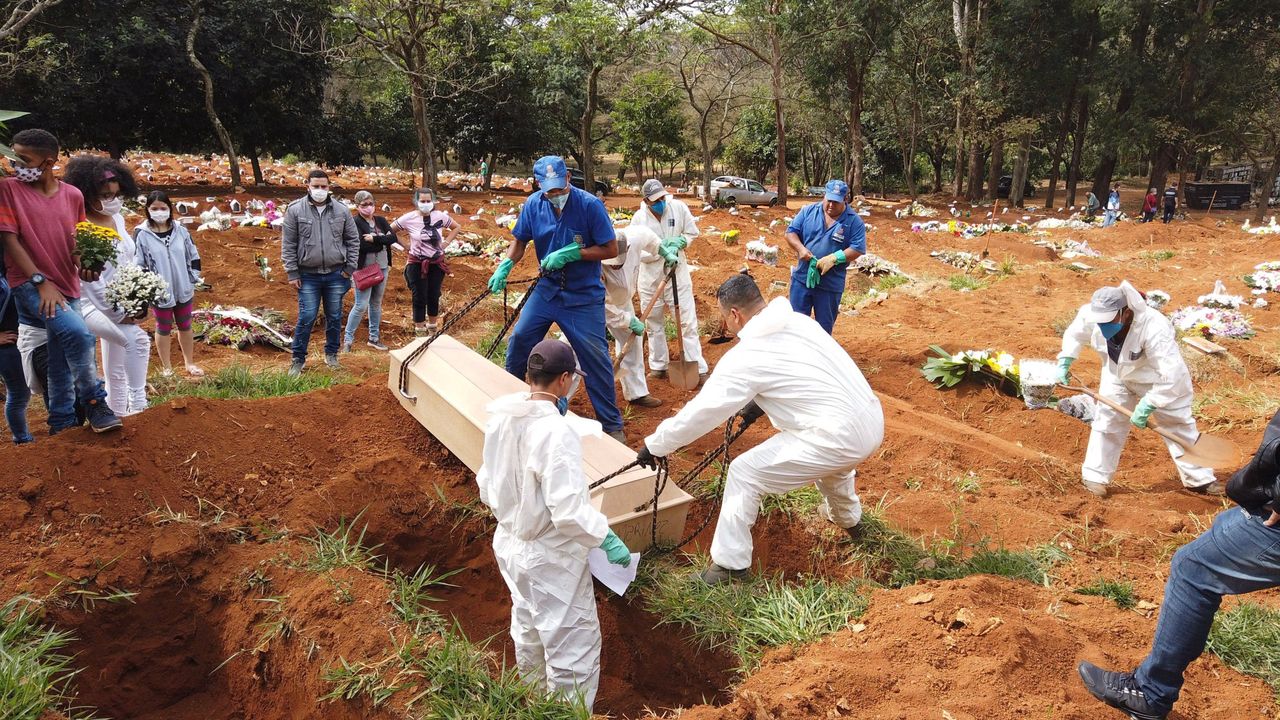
x=1008 y=266
x=35 y=672
x=1060 y=324
x=410 y=595
x=352 y=680
x=1120 y=593
x=1214 y=408
x=482 y=346
x=669 y=328
x=791 y=504
x=1156 y=256
x=331 y=550
x=889 y=282
x=1247 y=638
x=749 y=617
x=238 y=381
x=961 y=283
x=969 y=483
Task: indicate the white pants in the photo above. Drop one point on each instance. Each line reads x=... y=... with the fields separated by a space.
x=1111 y=429
x=781 y=464
x=553 y=616
x=650 y=276
x=125 y=370
x=631 y=371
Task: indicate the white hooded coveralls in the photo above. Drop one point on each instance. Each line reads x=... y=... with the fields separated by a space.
x=620 y=280
x=676 y=220
x=532 y=479
x=828 y=418
x=1149 y=365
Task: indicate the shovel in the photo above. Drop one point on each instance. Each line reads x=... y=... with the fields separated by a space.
x=683 y=373
x=644 y=315
x=1207 y=451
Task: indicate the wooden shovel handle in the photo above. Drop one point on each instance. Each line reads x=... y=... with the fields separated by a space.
x=1151 y=424
x=675 y=297
x=644 y=315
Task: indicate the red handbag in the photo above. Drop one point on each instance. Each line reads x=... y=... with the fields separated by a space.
x=368 y=276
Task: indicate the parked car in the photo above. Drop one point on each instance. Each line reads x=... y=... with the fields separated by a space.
x=1005 y=184
x=741 y=191
x=579 y=180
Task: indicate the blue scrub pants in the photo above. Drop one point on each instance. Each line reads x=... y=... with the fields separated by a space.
x=583 y=325
x=823 y=305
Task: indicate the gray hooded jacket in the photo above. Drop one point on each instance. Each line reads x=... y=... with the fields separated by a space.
x=173 y=258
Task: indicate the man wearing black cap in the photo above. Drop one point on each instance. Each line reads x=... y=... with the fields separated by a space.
x=1142 y=369
x=532 y=480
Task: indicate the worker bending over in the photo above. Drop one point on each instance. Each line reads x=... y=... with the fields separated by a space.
x=571 y=233
x=784 y=366
x=672 y=222
x=826 y=236
x=1141 y=369
x=620 y=278
x=532 y=480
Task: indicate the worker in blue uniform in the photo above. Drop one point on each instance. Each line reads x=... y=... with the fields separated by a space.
x=571 y=233
x=827 y=236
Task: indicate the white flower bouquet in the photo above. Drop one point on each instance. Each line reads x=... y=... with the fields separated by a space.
x=134 y=290
x=1219 y=298
x=1265 y=277
x=1157 y=299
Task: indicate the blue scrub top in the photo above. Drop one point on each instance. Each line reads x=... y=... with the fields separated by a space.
x=847 y=233
x=585 y=221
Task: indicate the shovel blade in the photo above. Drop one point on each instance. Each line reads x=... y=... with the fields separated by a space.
x=683 y=374
x=1213 y=452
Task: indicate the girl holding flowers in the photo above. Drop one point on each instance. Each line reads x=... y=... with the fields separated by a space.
x=166 y=248
x=126 y=348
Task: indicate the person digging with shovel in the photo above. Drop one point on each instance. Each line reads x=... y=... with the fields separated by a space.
x=1143 y=370
x=620 y=278
x=785 y=366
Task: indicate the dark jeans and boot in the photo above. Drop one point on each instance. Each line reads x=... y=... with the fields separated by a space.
x=1168 y=214
x=317 y=288
x=1237 y=555
x=72 y=367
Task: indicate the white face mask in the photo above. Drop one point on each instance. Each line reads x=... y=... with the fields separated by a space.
x=426 y=207
x=28 y=174
x=319 y=195
x=112 y=206
x=159 y=216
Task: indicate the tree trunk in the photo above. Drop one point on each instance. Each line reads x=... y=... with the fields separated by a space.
x=224 y=137
x=779 y=115
x=1020 y=172
x=585 y=122
x=854 y=77
x=1268 y=180
x=936 y=160
x=997 y=167
x=707 y=160
x=958 y=171
x=1055 y=169
x=257 y=167
x=1077 y=148
x=975 y=169
x=1162 y=161
x=486 y=179
x=426 y=144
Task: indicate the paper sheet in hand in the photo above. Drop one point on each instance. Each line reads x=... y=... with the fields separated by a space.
x=614 y=577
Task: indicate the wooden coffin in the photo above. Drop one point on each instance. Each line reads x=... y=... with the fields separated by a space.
x=452 y=384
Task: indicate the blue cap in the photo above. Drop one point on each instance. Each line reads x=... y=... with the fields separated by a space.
x=837 y=191
x=550 y=172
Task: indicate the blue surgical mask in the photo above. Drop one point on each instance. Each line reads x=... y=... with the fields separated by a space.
x=659 y=206
x=562 y=404
x=1110 y=329
x=558 y=200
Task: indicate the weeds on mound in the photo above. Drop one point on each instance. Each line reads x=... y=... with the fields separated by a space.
x=238 y=381
x=35 y=673
x=1120 y=593
x=1247 y=638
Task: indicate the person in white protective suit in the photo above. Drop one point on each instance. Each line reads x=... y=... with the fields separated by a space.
x=672 y=222
x=1142 y=369
x=620 y=278
x=532 y=479
x=829 y=420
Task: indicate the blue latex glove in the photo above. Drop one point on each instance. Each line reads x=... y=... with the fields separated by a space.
x=1142 y=413
x=558 y=259
x=616 y=550
x=499 y=279
x=836 y=258
x=815 y=276
x=1064 y=370
x=637 y=327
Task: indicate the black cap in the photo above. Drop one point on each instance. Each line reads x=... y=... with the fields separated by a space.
x=553 y=358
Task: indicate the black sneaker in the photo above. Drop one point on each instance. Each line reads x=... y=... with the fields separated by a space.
x=1119 y=690
x=101 y=419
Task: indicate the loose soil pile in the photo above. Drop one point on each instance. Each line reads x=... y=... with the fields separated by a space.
x=85 y=514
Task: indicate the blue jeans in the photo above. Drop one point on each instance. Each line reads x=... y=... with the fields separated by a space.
x=317 y=287
x=583 y=325
x=1237 y=555
x=16 y=393
x=370 y=300
x=1109 y=218
x=822 y=304
x=73 y=369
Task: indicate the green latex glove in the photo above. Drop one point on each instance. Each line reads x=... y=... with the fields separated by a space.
x=637 y=327
x=815 y=276
x=499 y=279
x=679 y=242
x=558 y=259
x=616 y=550
x=1142 y=413
x=1064 y=370
x=669 y=254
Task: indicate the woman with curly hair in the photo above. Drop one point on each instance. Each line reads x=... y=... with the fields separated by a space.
x=126 y=348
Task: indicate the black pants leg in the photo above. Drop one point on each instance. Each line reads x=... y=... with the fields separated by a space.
x=434 y=282
x=418 y=291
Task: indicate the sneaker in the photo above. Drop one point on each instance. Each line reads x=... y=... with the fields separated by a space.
x=376 y=345
x=646 y=401
x=659 y=374
x=295 y=369
x=346 y=347
x=619 y=436
x=715 y=575
x=1096 y=488
x=101 y=419
x=420 y=332
x=332 y=362
x=1119 y=690
x=1214 y=488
